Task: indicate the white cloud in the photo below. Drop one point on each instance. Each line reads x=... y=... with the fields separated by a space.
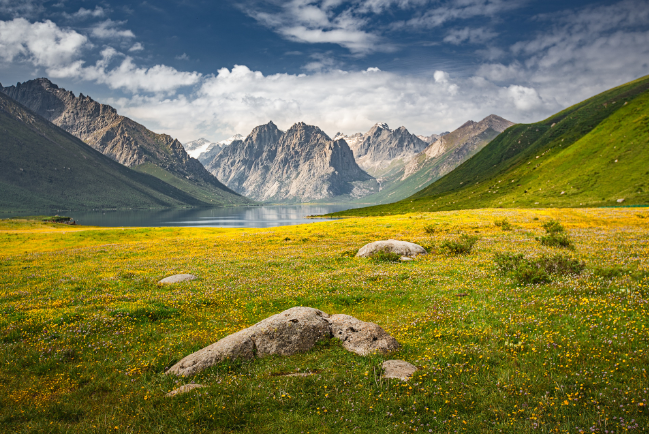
x=60 y=51
x=449 y=11
x=136 y=47
x=84 y=13
x=318 y=22
x=478 y=35
x=183 y=56
x=238 y=99
x=21 y=8
x=108 y=30
x=580 y=53
x=43 y=44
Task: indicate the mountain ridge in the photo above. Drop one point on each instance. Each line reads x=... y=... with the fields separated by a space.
x=122 y=139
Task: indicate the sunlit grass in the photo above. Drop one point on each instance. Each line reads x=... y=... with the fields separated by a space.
x=86 y=332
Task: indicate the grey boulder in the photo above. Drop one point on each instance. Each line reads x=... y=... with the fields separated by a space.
x=401 y=248
x=176 y=278
x=361 y=337
x=292 y=331
x=398 y=369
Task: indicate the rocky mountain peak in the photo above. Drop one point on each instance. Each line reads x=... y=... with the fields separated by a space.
x=301 y=164
x=382 y=147
x=382 y=125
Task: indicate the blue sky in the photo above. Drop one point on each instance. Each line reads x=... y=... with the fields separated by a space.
x=214 y=68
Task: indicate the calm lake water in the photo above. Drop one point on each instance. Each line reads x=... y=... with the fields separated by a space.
x=235 y=217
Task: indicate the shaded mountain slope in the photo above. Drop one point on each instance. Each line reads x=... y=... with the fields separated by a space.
x=122 y=139
x=42 y=167
x=595 y=153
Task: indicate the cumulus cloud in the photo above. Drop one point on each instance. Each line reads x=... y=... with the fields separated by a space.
x=60 y=51
x=21 y=8
x=43 y=44
x=238 y=99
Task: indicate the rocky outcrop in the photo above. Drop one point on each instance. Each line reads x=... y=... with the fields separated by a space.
x=401 y=248
x=117 y=137
x=361 y=337
x=382 y=148
x=300 y=164
x=293 y=331
x=450 y=150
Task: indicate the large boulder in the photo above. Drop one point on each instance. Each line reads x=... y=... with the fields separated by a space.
x=292 y=331
x=361 y=337
x=401 y=248
x=295 y=330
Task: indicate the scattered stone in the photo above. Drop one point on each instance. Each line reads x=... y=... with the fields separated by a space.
x=620 y=200
x=563 y=192
x=402 y=248
x=405 y=259
x=292 y=331
x=184 y=389
x=398 y=369
x=176 y=278
x=361 y=337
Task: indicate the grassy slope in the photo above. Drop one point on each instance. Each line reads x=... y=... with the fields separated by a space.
x=43 y=167
x=215 y=194
x=86 y=333
x=576 y=156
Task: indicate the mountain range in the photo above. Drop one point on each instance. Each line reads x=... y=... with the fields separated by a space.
x=595 y=153
x=301 y=164
x=122 y=139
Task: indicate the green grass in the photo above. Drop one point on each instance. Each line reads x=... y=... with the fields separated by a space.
x=591 y=154
x=86 y=333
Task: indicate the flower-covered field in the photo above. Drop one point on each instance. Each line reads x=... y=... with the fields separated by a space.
x=86 y=333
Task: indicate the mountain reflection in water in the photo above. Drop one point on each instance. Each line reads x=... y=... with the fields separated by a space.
x=234 y=217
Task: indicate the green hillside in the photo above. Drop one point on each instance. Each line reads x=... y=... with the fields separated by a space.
x=44 y=168
x=591 y=154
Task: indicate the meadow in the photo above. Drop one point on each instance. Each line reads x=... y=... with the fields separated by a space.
x=86 y=333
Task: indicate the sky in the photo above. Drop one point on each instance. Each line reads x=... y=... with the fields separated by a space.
x=215 y=68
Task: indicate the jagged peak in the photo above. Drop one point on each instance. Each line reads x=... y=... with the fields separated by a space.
x=468 y=124
x=382 y=125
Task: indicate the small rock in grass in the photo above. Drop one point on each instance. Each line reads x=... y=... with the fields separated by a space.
x=620 y=200
x=361 y=337
x=402 y=248
x=405 y=259
x=176 y=278
x=184 y=389
x=398 y=369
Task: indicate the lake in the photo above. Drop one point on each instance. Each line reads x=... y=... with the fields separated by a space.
x=231 y=217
